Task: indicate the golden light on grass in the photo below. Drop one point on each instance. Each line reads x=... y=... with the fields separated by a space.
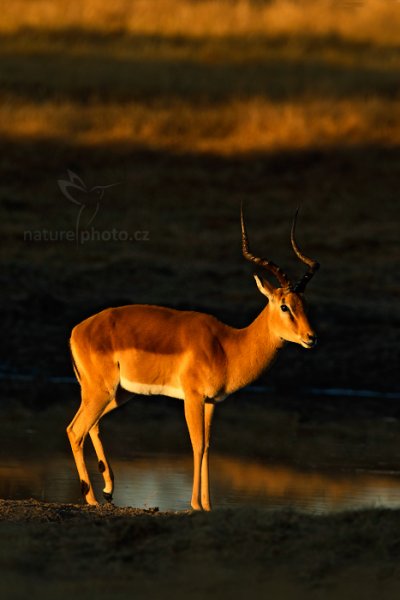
x=223 y=77
x=362 y=20
x=236 y=127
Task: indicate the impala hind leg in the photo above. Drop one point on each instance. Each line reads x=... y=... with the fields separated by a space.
x=103 y=464
x=102 y=461
x=87 y=416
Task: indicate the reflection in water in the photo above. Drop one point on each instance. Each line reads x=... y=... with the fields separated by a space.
x=166 y=482
x=312 y=490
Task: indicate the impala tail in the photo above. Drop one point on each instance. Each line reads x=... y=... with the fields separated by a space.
x=74 y=365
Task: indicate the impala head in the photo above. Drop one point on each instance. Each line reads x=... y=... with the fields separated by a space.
x=286 y=303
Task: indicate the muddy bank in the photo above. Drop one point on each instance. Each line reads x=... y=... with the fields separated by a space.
x=63 y=549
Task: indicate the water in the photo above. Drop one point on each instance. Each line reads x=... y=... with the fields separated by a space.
x=165 y=481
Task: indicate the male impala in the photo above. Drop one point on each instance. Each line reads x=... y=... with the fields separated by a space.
x=141 y=349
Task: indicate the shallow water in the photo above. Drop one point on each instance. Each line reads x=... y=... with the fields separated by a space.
x=165 y=482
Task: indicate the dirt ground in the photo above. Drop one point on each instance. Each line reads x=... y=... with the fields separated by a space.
x=65 y=550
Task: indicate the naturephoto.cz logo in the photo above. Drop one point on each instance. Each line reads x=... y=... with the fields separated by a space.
x=87 y=200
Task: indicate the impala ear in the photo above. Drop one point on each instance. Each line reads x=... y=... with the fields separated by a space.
x=265 y=287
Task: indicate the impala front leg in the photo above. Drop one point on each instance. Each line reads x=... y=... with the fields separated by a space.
x=205 y=477
x=194 y=414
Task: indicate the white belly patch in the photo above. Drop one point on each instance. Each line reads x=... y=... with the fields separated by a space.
x=146 y=389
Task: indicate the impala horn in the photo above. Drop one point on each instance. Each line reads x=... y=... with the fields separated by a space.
x=262 y=262
x=312 y=264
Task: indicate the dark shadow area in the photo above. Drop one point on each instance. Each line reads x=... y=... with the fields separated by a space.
x=281 y=553
x=82 y=65
x=67 y=37
x=192 y=260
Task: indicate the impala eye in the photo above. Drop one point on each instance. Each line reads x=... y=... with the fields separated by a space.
x=284 y=308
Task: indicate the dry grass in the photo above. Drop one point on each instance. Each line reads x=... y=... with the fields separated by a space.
x=267 y=76
x=372 y=20
x=238 y=127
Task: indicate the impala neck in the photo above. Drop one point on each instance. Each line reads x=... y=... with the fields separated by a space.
x=251 y=350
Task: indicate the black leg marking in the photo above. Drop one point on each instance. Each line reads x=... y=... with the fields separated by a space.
x=84 y=488
x=102 y=466
x=107 y=496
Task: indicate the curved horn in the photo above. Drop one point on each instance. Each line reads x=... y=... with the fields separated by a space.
x=312 y=264
x=261 y=262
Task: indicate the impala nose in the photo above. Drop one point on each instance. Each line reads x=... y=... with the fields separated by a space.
x=312 y=339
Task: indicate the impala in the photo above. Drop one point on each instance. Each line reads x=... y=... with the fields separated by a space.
x=142 y=349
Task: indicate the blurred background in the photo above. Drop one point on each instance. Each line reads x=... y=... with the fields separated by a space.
x=130 y=132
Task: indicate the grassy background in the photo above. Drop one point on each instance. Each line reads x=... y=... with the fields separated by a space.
x=193 y=107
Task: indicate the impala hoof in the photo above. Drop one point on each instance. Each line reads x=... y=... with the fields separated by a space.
x=107 y=496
